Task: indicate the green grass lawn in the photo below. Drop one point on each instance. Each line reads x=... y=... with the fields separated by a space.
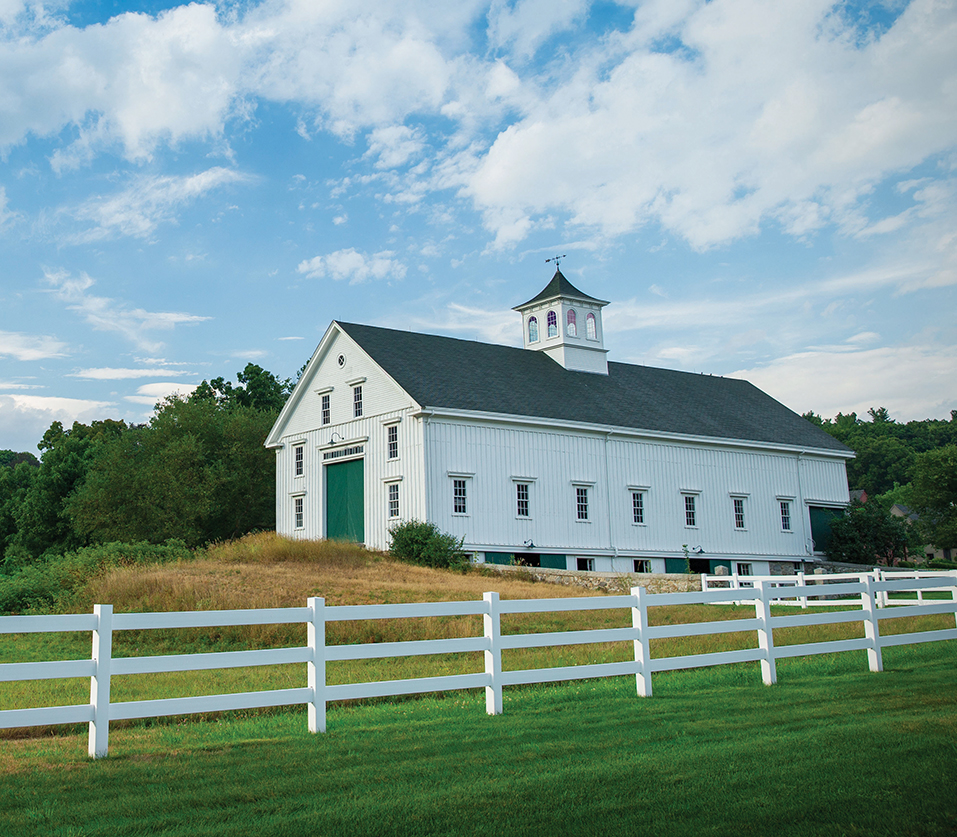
x=830 y=750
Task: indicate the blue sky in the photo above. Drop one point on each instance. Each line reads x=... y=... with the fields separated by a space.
x=764 y=190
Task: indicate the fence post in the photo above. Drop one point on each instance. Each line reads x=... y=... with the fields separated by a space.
x=802 y=581
x=493 y=655
x=953 y=591
x=762 y=608
x=639 y=620
x=872 y=628
x=100 y=681
x=316 y=667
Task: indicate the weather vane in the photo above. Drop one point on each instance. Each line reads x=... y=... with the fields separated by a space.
x=557 y=260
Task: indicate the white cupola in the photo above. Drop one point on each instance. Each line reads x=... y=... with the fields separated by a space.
x=565 y=324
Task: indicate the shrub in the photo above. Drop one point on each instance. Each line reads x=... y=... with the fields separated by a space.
x=423 y=543
x=50 y=584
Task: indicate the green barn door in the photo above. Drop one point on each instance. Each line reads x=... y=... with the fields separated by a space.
x=345 y=518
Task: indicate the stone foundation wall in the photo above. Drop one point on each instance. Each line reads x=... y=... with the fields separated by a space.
x=615 y=583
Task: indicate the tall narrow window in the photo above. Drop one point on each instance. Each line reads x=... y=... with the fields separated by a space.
x=297 y=511
x=325 y=408
x=581 y=501
x=393 y=500
x=571 y=326
x=552 y=324
x=357 y=401
x=533 y=329
x=690 y=516
x=297 y=458
x=591 y=327
x=459 y=504
x=785 y=515
x=521 y=499
x=638 y=506
x=392 y=441
x=738 y=513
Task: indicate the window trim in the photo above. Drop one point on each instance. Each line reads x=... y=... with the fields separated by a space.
x=325 y=409
x=519 y=485
x=457 y=483
x=390 y=487
x=299 y=459
x=634 y=489
x=782 y=499
x=739 y=498
x=392 y=444
x=688 y=494
x=299 y=511
x=357 y=401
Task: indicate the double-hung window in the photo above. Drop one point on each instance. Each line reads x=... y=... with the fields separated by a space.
x=297 y=512
x=581 y=502
x=297 y=458
x=393 y=500
x=638 y=507
x=691 y=511
x=521 y=499
x=738 y=503
x=357 y=401
x=392 y=441
x=459 y=497
x=785 y=515
x=325 y=409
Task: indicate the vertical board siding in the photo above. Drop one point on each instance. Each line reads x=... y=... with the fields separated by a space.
x=496 y=455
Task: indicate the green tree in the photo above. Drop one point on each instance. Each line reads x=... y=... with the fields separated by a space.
x=259 y=390
x=197 y=471
x=868 y=534
x=934 y=495
x=879 y=464
x=41 y=522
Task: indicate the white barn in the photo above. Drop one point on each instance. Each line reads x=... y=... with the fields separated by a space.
x=549 y=454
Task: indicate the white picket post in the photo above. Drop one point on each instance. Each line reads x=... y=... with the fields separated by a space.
x=639 y=620
x=953 y=592
x=872 y=628
x=316 y=667
x=762 y=611
x=801 y=582
x=100 y=681
x=493 y=655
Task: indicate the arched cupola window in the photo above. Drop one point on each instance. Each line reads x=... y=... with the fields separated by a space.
x=552 y=324
x=532 y=329
x=571 y=327
x=591 y=329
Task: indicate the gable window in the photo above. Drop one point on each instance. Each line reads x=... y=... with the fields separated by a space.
x=552 y=324
x=357 y=401
x=691 y=517
x=521 y=499
x=533 y=329
x=591 y=327
x=581 y=502
x=297 y=512
x=738 y=512
x=785 y=515
x=393 y=500
x=325 y=409
x=571 y=327
x=638 y=507
x=297 y=458
x=392 y=441
x=642 y=565
x=459 y=497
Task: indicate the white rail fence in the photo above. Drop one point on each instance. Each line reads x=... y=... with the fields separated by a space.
x=827 y=597
x=316 y=694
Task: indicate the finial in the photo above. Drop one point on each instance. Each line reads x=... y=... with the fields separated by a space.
x=557 y=260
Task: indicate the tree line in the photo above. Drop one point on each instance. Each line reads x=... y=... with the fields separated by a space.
x=196 y=472
x=912 y=465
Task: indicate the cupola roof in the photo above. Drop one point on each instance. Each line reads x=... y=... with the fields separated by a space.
x=559 y=286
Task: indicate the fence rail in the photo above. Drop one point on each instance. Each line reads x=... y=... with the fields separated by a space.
x=316 y=694
x=830 y=597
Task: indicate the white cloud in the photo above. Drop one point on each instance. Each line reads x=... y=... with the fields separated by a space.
x=106 y=314
x=133 y=81
x=394 y=145
x=30 y=347
x=912 y=381
x=151 y=394
x=149 y=201
x=25 y=418
x=352 y=265
x=526 y=24
x=116 y=374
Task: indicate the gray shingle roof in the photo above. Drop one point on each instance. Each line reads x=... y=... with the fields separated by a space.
x=559 y=286
x=467 y=375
